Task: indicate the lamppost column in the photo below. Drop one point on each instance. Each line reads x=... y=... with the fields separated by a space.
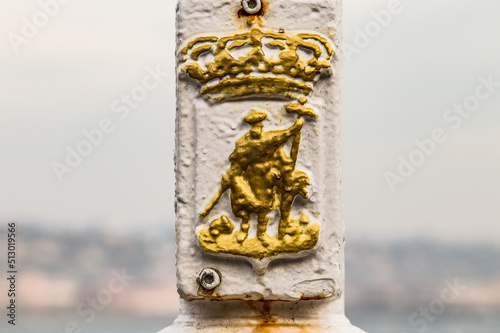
x=260 y=232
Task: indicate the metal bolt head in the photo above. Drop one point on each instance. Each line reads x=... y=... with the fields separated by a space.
x=209 y=279
x=251 y=6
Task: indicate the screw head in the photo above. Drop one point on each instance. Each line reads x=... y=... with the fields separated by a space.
x=251 y=6
x=209 y=279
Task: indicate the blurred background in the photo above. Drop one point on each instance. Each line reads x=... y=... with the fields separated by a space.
x=421 y=161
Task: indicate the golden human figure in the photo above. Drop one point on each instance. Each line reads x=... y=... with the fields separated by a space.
x=262 y=177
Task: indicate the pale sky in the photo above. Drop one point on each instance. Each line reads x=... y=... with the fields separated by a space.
x=398 y=85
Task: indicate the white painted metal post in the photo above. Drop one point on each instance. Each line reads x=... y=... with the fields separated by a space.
x=260 y=235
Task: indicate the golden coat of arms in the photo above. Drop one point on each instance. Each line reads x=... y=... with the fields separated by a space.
x=262 y=177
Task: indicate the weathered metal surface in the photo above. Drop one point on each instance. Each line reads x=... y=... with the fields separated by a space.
x=258 y=167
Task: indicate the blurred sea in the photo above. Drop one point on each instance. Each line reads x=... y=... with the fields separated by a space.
x=385 y=283
x=445 y=324
x=371 y=323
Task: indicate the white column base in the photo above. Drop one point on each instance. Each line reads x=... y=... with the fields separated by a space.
x=255 y=316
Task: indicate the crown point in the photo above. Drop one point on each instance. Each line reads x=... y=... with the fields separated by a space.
x=252 y=20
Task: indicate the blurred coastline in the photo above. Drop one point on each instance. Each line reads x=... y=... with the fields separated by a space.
x=62 y=271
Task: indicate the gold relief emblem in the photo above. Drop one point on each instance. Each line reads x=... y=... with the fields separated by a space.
x=262 y=176
x=228 y=77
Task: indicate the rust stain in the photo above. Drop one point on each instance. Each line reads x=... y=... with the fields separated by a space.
x=209 y=294
x=265 y=313
x=315 y=298
x=269 y=323
x=265 y=321
x=281 y=328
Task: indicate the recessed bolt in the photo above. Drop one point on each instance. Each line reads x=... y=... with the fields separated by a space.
x=252 y=6
x=209 y=279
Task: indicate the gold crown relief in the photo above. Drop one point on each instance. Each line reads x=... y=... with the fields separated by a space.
x=254 y=74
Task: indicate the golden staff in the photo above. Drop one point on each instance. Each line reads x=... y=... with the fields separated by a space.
x=301 y=111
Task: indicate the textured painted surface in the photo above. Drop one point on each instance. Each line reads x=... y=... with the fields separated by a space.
x=258 y=166
x=292 y=41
